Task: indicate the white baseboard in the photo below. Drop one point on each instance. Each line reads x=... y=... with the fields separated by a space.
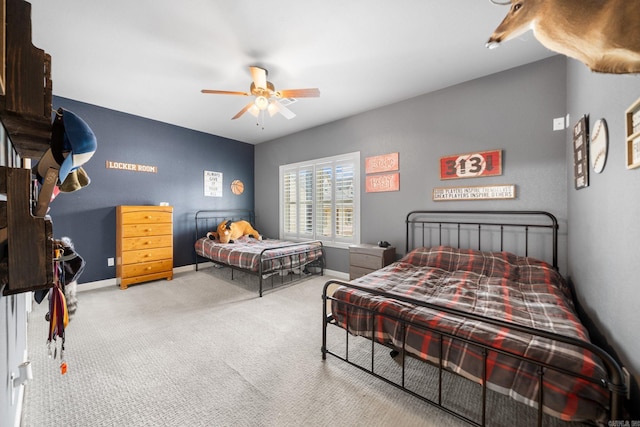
x=90 y=286
x=337 y=274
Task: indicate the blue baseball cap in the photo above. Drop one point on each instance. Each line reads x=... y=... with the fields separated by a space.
x=72 y=145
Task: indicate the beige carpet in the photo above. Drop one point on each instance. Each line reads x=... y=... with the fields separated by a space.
x=204 y=351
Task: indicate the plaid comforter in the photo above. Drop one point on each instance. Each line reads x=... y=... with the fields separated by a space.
x=492 y=284
x=246 y=253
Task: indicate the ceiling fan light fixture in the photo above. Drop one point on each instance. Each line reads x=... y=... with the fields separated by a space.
x=262 y=103
x=254 y=110
x=273 y=108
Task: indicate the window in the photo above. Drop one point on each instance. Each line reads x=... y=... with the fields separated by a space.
x=320 y=200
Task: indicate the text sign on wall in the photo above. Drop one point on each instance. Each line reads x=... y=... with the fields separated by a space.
x=212 y=184
x=474 y=193
x=383 y=163
x=380 y=183
x=131 y=167
x=471 y=165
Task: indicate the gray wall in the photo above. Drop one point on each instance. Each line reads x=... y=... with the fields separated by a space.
x=604 y=230
x=512 y=111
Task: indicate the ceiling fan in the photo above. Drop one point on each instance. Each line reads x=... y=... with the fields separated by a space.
x=267 y=98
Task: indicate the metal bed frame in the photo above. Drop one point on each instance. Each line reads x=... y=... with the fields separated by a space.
x=439 y=223
x=207 y=220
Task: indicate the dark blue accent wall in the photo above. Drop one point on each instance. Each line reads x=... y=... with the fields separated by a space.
x=181 y=156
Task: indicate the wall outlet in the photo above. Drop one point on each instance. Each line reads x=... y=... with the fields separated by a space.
x=109 y=262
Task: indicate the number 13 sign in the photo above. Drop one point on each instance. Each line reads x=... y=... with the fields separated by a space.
x=471 y=165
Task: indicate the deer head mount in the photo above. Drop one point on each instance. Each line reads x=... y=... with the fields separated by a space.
x=603 y=34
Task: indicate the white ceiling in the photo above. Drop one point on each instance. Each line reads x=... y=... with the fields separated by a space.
x=151 y=58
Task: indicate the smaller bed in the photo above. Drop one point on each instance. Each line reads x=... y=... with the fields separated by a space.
x=263 y=258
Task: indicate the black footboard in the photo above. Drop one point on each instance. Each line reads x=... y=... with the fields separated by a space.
x=531 y=234
x=614 y=382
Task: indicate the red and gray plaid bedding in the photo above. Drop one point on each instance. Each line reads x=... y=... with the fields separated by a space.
x=246 y=253
x=500 y=285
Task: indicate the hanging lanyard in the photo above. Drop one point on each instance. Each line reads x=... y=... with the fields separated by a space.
x=58 y=319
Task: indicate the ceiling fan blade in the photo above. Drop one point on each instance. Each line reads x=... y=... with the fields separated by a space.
x=298 y=93
x=244 y=110
x=224 y=92
x=259 y=76
x=276 y=107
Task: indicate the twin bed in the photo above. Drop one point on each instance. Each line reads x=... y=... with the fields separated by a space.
x=262 y=258
x=503 y=321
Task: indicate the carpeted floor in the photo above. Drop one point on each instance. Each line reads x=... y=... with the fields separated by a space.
x=201 y=350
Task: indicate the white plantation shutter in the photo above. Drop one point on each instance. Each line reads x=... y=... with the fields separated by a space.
x=344 y=205
x=324 y=207
x=290 y=208
x=305 y=202
x=319 y=200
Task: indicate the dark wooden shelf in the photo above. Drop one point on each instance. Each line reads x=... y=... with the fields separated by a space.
x=26 y=107
x=26 y=236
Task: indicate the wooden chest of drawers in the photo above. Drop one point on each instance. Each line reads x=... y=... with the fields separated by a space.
x=365 y=258
x=144 y=244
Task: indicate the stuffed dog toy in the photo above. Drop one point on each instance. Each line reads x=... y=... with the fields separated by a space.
x=228 y=231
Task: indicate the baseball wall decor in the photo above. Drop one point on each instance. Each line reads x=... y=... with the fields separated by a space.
x=599 y=145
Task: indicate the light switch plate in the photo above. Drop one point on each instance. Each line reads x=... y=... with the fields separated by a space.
x=558 y=123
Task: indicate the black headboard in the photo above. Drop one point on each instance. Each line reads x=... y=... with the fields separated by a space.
x=526 y=233
x=208 y=220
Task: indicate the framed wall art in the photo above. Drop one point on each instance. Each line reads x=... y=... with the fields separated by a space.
x=632 y=120
x=212 y=184
x=581 y=153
